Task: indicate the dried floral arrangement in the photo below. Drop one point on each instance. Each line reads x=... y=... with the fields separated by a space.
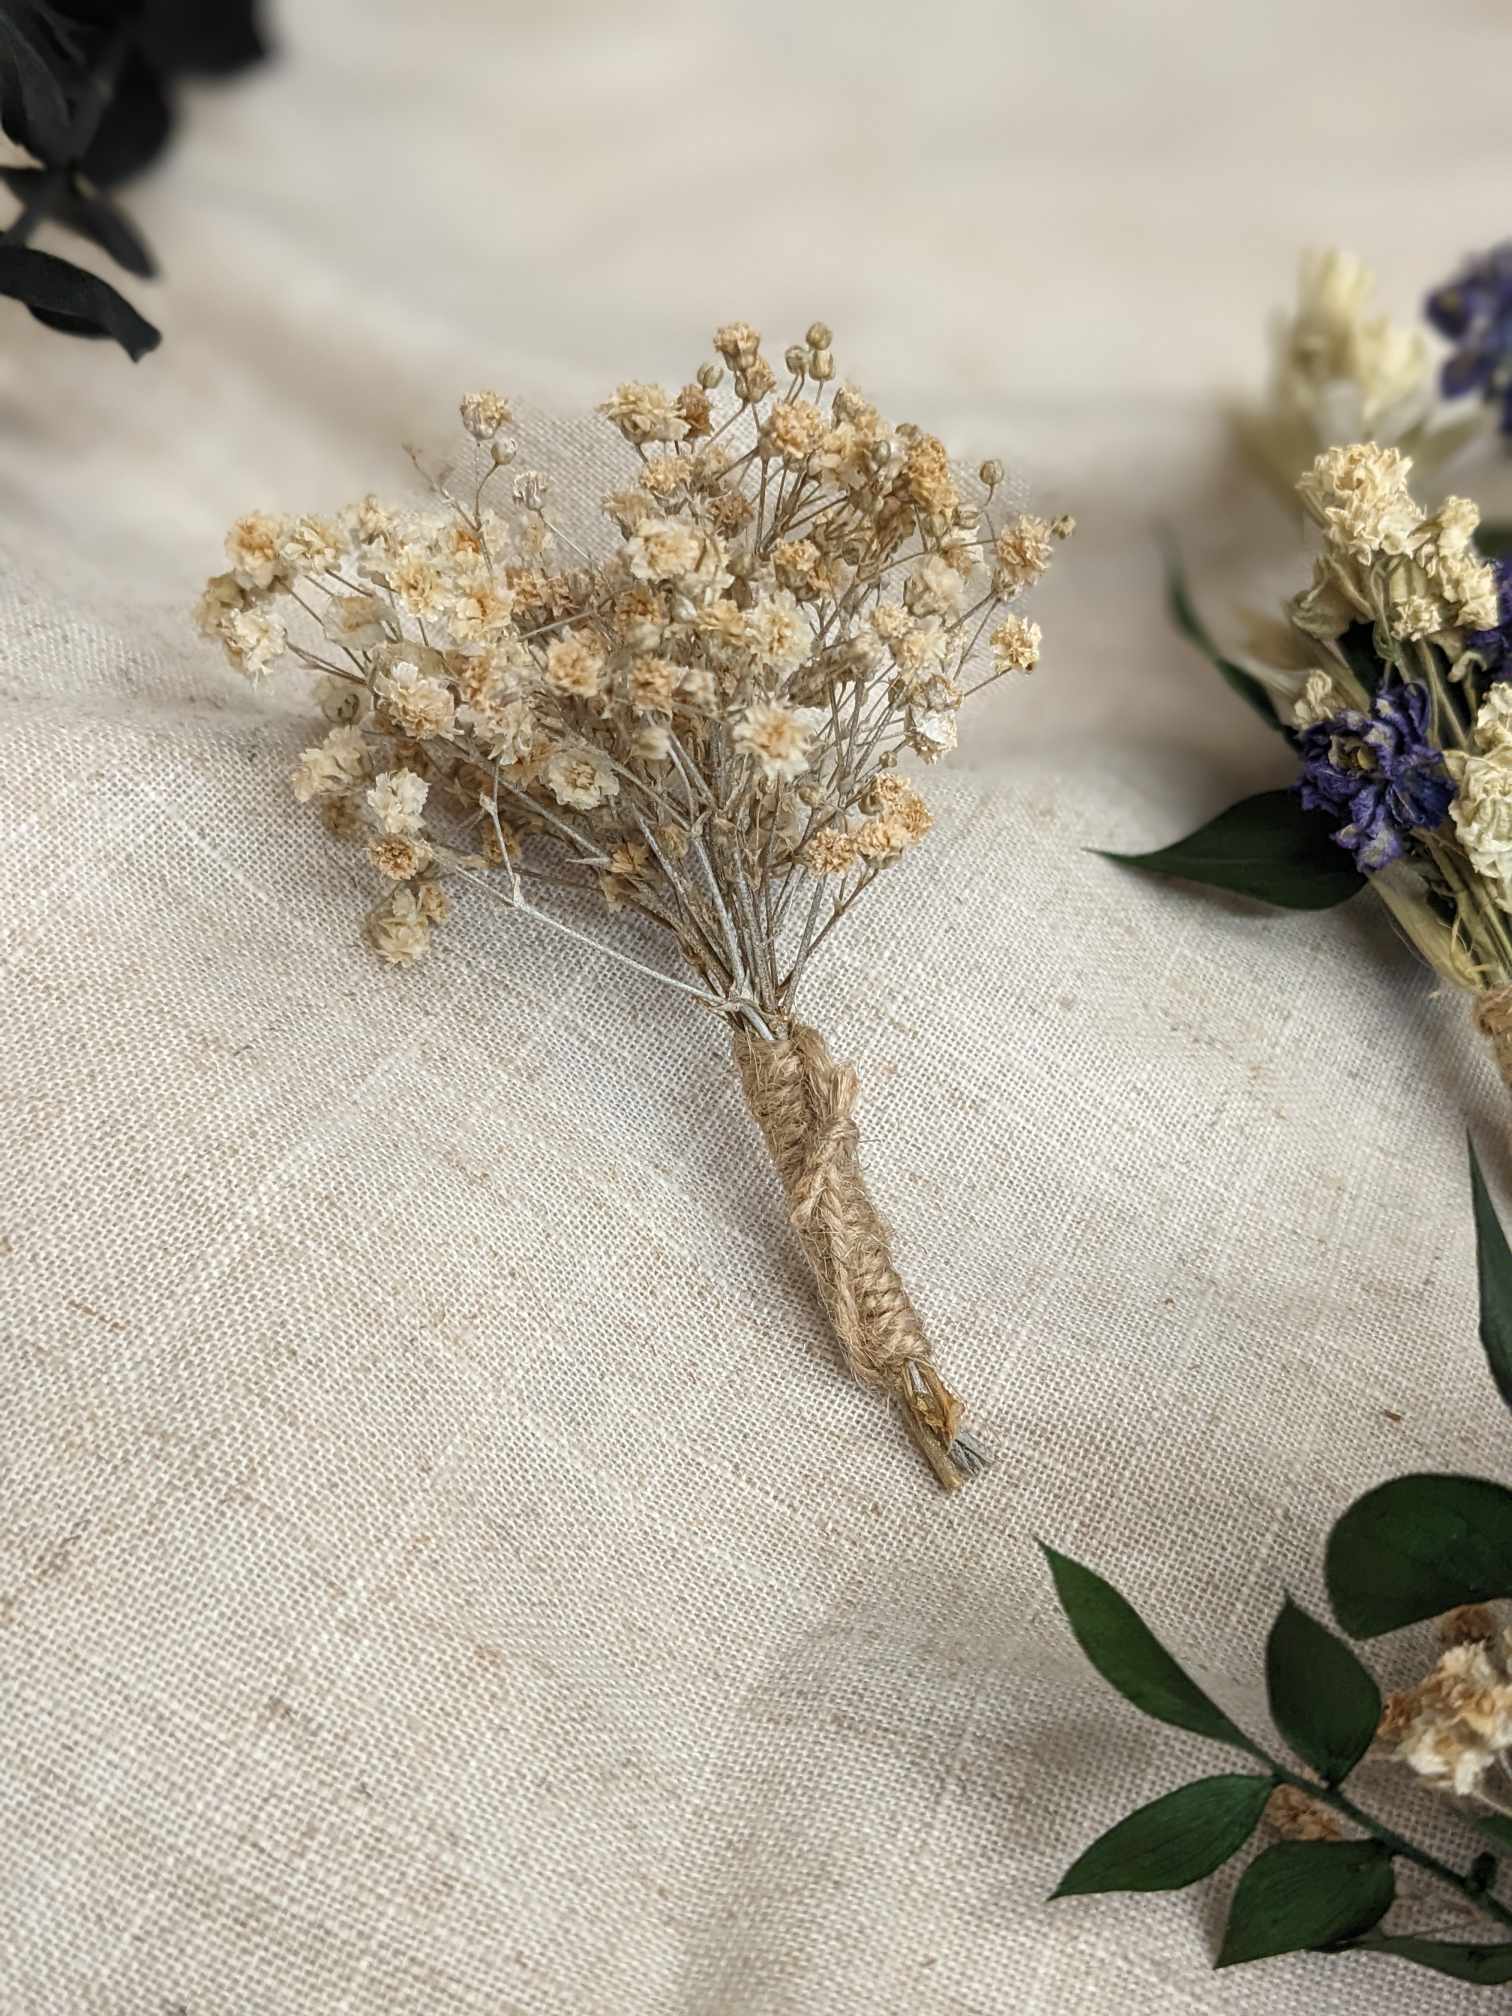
x=1415 y=1548
x=1390 y=680
x=1343 y=372
x=702 y=724
x=86 y=88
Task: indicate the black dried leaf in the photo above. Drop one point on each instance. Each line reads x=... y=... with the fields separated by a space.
x=39 y=62
x=134 y=128
x=67 y=298
x=187 y=38
x=90 y=216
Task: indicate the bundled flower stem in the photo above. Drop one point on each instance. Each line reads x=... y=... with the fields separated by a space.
x=702 y=726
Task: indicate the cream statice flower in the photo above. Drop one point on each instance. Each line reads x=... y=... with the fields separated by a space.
x=645 y=413
x=254 y=547
x=775 y=738
x=485 y=414
x=337 y=764
x=582 y=778
x=1457 y=1723
x=397 y=801
x=399 y=930
x=1016 y=644
x=418 y=705
x=254 y=639
x=1482 y=807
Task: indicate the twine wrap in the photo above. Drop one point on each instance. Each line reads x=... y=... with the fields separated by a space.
x=802 y=1101
x=1493 y=1018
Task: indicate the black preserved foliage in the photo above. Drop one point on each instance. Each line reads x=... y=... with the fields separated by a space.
x=86 y=86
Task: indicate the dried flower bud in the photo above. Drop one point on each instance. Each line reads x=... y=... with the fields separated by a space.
x=821 y=365
x=991 y=473
x=796 y=359
x=484 y=413
x=530 y=489
x=819 y=336
x=709 y=375
x=967 y=517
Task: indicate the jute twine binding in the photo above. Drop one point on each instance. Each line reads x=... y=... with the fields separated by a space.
x=802 y=1102
x=1493 y=1018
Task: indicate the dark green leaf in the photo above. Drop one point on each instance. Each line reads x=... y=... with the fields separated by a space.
x=186 y=35
x=134 y=125
x=1324 y=1702
x=33 y=66
x=1187 y=621
x=1496 y=1827
x=1495 y=541
x=1266 y=846
x=1486 y=1964
x=1130 y=1657
x=93 y=217
x=1494 y=1262
x=1482 y=1871
x=1303 y=1894
x=66 y=297
x=1173 y=1841
x=1417 y=1546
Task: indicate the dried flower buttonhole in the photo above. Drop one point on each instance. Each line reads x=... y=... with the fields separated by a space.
x=704 y=723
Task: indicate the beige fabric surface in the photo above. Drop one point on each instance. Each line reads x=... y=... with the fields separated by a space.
x=440 y=1568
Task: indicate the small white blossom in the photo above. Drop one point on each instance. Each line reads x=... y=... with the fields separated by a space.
x=397 y=800
x=334 y=765
x=582 y=777
x=777 y=739
x=255 y=639
x=484 y=414
x=421 y=706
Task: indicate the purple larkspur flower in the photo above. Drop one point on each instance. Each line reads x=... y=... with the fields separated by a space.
x=1474 y=310
x=1378 y=774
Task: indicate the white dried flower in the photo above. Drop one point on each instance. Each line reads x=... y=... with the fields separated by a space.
x=484 y=414
x=397 y=800
x=399 y=931
x=575 y=665
x=254 y=546
x=1022 y=551
x=1319 y=700
x=254 y=638
x=932 y=733
x=335 y=765
x=1016 y=644
x=645 y=413
x=1359 y=496
x=582 y=777
x=777 y=634
x=421 y=706
x=357 y=621
x=399 y=856
x=776 y=739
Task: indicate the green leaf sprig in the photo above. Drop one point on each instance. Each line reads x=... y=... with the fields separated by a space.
x=1406 y=1551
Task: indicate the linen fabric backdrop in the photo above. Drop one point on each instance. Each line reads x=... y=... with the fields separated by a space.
x=441 y=1569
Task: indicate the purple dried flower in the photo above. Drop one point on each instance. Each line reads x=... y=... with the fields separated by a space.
x=1378 y=773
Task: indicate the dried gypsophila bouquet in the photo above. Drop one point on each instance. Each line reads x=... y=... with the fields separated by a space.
x=1413 y=1548
x=703 y=725
x=1392 y=681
